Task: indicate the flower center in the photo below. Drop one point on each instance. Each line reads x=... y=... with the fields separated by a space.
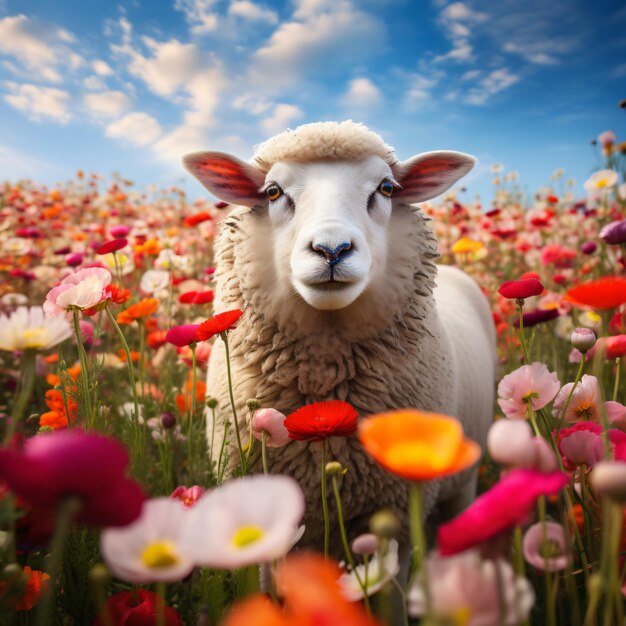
x=585 y=411
x=34 y=337
x=601 y=183
x=529 y=397
x=160 y=554
x=247 y=535
x=550 y=549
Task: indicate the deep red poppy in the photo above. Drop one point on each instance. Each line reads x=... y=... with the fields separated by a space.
x=218 y=324
x=317 y=421
x=525 y=288
x=137 y=607
x=183 y=335
x=614 y=347
x=505 y=505
x=607 y=292
x=532 y=318
x=112 y=246
x=196 y=297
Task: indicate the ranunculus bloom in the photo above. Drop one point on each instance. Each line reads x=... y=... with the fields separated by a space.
x=74 y=259
x=136 y=608
x=613 y=347
x=551 y=553
x=317 y=421
x=607 y=292
x=584 y=403
x=29 y=328
x=35 y=582
x=196 y=297
x=243 y=521
x=474 y=588
x=418 y=445
x=528 y=385
x=112 y=246
x=218 y=324
x=121 y=230
x=581 y=447
x=183 y=335
x=197 y=218
x=505 y=505
x=82 y=289
x=538 y=316
x=73 y=463
x=272 y=423
x=140 y=310
x=57 y=416
x=188 y=496
x=561 y=258
x=514 y=289
x=614 y=233
x=147 y=550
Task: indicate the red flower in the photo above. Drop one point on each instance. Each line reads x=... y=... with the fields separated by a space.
x=112 y=246
x=135 y=608
x=505 y=505
x=183 y=335
x=614 y=347
x=35 y=582
x=198 y=218
x=514 y=289
x=73 y=463
x=320 y=420
x=196 y=297
x=532 y=318
x=608 y=292
x=218 y=324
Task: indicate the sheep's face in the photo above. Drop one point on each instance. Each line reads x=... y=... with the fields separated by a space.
x=329 y=221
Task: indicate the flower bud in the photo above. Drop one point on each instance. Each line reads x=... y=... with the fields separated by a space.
x=11 y=572
x=211 y=403
x=334 y=468
x=608 y=478
x=385 y=524
x=168 y=419
x=99 y=574
x=365 y=544
x=583 y=339
x=253 y=405
x=510 y=443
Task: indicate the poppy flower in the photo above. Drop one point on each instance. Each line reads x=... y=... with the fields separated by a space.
x=614 y=233
x=112 y=246
x=92 y=467
x=607 y=292
x=35 y=583
x=188 y=496
x=320 y=420
x=218 y=324
x=121 y=230
x=137 y=607
x=82 y=289
x=197 y=218
x=183 y=335
x=505 y=505
x=538 y=316
x=613 y=347
x=466 y=245
x=520 y=289
x=57 y=417
x=272 y=423
x=138 y=311
x=30 y=328
x=196 y=297
x=418 y=445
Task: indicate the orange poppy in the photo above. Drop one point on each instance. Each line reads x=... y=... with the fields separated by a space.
x=258 y=610
x=54 y=380
x=607 y=292
x=57 y=417
x=418 y=445
x=137 y=311
x=35 y=583
x=183 y=401
x=134 y=356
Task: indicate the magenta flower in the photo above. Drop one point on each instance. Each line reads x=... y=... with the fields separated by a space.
x=553 y=553
x=112 y=246
x=614 y=233
x=507 y=504
x=188 y=496
x=272 y=423
x=91 y=467
x=581 y=447
x=183 y=335
x=530 y=385
x=121 y=230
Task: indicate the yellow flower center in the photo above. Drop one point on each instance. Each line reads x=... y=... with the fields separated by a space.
x=584 y=410
x=160 y=554
x=34 y=337
x=247 y=535
x=602 y=182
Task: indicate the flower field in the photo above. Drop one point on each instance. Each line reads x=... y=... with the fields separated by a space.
x=115 y=510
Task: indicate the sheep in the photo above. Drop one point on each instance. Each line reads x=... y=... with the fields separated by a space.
x=335 y=272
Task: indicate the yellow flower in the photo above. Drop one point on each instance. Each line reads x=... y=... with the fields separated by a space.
x=465 y=245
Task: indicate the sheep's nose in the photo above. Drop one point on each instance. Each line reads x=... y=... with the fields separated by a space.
x=332 y=255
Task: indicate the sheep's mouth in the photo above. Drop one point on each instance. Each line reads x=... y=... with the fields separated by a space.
x=330 y=285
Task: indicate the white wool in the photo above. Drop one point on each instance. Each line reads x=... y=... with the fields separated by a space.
x=345 y=140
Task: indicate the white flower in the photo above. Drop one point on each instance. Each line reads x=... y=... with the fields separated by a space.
x=378 y=573
x=29 y=328
x=154 y=280
x=83 y=289
x=168 y=260
x=244 y=521
x=148 y=549
x=601 y=180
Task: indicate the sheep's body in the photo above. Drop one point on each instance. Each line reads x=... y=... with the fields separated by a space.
x=396 y=345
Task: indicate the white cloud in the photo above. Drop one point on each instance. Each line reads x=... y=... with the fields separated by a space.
x=138 y=128
x=492 y=83
x=43 y=49
x=280 y=119
x=39 y=103
x=254 y=12
x=199 y=14
x=458 y=20
x=362 y=93
x=102 y=68
x=94 y=83
x=252 y=103
x=107 y=103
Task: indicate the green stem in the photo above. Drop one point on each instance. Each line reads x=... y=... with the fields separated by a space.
x=65 y=514
x=26 y=386
x=550 y=605
x=264 y=452
x=66 y=406
x=418 y=537
x=520 y=567
x=242 y=457
x=84 y=372
x=160 y=603
x=324 y=500
x=618 y=371
x=522 y=337
x=142 y=348
x=190 y=434
x=579 y=375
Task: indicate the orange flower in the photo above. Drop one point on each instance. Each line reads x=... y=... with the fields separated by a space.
x=465 y=245
x=54 y=380
x=607 y=292
x=134 y=356
x=137 y=311
x=258 y=610
x=418 y=445
x=35 y=582
x=183 y=401
x=57 y=417
x=151 y=247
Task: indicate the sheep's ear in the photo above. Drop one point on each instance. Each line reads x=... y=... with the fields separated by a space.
x=226 y=177
x=428 y=175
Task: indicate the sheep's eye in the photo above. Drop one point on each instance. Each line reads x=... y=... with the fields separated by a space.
x=274 y=192
x=386 y=188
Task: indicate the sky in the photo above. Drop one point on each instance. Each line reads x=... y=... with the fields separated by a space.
x=130 y=88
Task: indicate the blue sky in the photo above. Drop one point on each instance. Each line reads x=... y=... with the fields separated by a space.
x=131 y=88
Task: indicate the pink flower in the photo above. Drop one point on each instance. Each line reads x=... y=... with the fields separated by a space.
x=615 y=413
x=91 y=467
x=188 y=496
x=528 y=385
x=584 y=403
x=552 y=554
x=272 y=422
x=82 y=289
x=203 y=352
x=507 y=504
x=121 y=230
x=183 y=335
x=581 y=448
